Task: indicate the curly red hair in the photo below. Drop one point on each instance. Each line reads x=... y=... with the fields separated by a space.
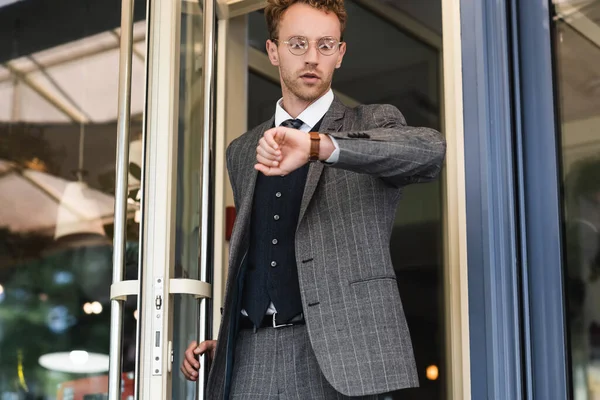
x=276 y=8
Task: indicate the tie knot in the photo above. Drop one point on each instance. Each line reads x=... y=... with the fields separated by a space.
x=292 y=123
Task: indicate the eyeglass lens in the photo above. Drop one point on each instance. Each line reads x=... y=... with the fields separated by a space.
x=298 y=45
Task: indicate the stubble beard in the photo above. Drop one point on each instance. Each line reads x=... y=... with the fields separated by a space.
x=308 y=93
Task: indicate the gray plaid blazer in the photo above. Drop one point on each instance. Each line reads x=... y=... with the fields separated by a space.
x=350 y=297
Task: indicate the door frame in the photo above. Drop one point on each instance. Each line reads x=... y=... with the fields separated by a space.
x=159 y=197
x=234 y=57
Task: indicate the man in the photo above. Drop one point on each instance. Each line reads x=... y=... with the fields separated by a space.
x=312 y=309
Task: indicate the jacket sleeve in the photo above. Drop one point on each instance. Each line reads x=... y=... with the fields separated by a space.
x=391 y=150
x=230 y=172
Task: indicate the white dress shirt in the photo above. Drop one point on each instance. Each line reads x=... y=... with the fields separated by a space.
x=310 y=117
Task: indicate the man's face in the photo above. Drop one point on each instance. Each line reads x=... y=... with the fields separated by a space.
x=307 y=76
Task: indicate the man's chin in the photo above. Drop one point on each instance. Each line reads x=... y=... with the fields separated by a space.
x=311 y=94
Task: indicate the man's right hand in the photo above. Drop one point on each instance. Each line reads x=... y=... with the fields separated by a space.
x=190 y=365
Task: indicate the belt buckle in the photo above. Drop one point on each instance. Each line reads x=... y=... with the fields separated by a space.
x=279 y=326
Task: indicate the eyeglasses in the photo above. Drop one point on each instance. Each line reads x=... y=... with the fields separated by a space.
x=298 y=45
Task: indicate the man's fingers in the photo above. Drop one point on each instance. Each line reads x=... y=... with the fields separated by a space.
x=190 y=365
x=269 y=137
x=268 y=153
x=191 y=359
x=262 y=168
x=187 y=374
x=202 y=348
x=193 y=344
x=261 y=154
x=206 y=345
x=190 y=369
x=269 y=171
x=266 y=162
x=263 y=144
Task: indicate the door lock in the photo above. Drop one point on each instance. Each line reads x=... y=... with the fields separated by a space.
x=158 y=302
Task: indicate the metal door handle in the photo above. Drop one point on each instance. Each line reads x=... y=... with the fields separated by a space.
x=196 y=288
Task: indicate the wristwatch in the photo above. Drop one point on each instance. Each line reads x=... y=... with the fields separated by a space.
x=315 y=141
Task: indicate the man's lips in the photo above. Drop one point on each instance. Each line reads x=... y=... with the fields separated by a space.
x=309 y=75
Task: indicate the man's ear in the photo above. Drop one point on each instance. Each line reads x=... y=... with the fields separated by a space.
x=341 y=53
x=272 y=53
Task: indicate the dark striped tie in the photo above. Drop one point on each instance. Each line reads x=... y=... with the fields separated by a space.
x=292 y=123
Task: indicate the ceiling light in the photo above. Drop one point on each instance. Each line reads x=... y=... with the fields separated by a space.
x=79 y=357
x=77 y=362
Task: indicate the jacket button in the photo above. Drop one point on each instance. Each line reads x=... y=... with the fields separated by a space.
x=276 y=217
x=278 y=194
x=274 y=241
x=273 y=264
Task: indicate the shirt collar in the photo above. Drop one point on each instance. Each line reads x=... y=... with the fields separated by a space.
x=311 y=115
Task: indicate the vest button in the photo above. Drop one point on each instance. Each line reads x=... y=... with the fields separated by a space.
x=273 y=264
x=278 y=194
x=274 y=241
x=276 y=217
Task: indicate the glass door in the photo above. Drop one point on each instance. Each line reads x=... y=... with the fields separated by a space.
x=176 y=198
x=59 y=74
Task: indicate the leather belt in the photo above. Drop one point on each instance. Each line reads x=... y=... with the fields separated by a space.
x=270 y=321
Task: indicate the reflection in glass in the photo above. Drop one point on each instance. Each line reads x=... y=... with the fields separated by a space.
x=189 y=179
x=577 y=53
x=58 y=108
x=383 y=64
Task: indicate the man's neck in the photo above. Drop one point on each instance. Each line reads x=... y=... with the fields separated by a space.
x=295 y=106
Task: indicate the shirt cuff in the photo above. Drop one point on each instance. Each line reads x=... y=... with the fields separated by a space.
x=333 y=158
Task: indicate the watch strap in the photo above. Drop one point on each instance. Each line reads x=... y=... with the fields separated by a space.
x=315 y=141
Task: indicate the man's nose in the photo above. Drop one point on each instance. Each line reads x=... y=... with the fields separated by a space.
x=312 y=55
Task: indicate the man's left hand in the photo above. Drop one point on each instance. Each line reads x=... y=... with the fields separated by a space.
x=283 y=150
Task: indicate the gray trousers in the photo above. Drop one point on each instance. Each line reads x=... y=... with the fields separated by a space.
x=279 y=364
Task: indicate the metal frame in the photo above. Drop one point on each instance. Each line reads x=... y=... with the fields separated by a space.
x=207 y=188
x=455 y=216
x=159 y=195
x=492 y=219
x=121 y=186
x=545 y=340
x=230 y=120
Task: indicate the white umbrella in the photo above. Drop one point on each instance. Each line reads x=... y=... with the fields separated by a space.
x=34 y=201
x=72 y=82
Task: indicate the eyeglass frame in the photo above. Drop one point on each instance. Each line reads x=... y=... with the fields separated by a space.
x=287 y=42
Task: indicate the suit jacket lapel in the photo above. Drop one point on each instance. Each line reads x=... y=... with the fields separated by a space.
x=332 y=122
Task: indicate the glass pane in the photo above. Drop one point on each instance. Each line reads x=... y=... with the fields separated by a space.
x=189 y=159
x=384 y=64
x=58 y=110
x=577 y=53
